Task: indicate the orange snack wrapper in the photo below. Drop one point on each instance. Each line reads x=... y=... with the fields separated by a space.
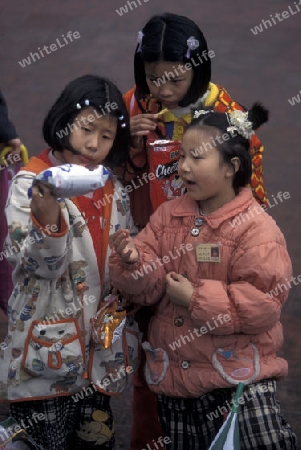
x=108 y=323
x=163 y=157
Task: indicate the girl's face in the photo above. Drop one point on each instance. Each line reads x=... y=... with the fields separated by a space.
x=207 y=178
x=92 y=136
x=168 y=81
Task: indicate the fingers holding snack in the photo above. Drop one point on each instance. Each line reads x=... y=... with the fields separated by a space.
x=142 y=124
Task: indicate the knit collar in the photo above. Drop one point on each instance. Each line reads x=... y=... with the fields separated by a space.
x=180 y=112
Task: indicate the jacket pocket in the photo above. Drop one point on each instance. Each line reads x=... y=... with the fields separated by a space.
x=236 y=364
x=54 y=349
x=157 y=363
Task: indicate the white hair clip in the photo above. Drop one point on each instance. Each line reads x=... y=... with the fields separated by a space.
x=192 y=44
x=240 y=121
x=232 y=129
x=78 y=106
x=199 y=113
x=139 y=41
x=87 y=103
x=123 y=124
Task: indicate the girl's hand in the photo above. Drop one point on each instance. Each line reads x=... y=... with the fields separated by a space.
x=179 y=289
x=44 y=206
x=124 y=246
x=140 y=126
x=15 y=144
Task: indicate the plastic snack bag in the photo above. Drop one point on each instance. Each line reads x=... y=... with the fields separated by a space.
x=108 y=323
x=72 y=180
x=116 y=352
x=163 y=157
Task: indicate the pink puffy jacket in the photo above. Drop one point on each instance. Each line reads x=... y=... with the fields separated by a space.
x=231 y=330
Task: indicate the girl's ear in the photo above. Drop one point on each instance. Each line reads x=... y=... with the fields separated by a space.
x=235 y=163
x=233 y=167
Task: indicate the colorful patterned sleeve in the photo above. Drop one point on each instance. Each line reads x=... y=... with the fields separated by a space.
x=28 y=245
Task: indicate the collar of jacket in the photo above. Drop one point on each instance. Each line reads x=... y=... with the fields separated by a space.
x=186 y=206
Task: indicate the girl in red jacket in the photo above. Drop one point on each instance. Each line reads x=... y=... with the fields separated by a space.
x=206 y=261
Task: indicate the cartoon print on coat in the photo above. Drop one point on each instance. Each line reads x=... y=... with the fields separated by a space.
x=38 y=239
x=112 y=374
x=96 y=431
x=51 y=334
x=26 y=313
x=30 y=285
x=4 y=345
x=12 y=315
x=78 y=228
x=78 y=275
x=12 y=372
x=57 y=337
x=54 y=262
x=65 y=384
x=16 y=232
x=73 y=363
x=65 y=283
x=125 y=200
x=30 y=265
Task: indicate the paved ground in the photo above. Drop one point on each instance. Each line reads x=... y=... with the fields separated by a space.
x=262 y=67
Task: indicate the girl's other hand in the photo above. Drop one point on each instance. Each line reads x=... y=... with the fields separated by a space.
x=44 y=206
x=15 y=144
x=179 y=289
x=141 y=125
x=124 y=246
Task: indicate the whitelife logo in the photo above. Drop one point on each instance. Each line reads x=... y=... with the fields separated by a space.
x=53 y=48
x=243 y=217
x=177 y=253
x=122 y=372
x=91 y=117
x=29 y=240
x=284 y=287
x=183 y=68
x=222 y=410
x=10 y=160
x=124 y=9
x=279 y=16
x=203 y=330
x=292 y=101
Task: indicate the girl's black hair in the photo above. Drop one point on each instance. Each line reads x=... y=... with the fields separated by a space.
x=165 y=39
x=99 y=91
x=233 y=144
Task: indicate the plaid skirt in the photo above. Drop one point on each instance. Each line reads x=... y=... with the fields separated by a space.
x=81 y=421
x=194 y=423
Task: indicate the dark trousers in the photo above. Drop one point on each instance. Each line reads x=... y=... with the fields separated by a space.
x=145 y=425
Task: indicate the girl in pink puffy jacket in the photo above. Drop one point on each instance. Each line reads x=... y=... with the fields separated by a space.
x=216 y=267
